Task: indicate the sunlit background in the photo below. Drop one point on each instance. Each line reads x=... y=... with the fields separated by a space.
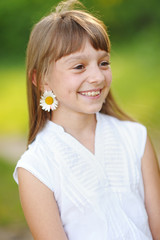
x=134 y=31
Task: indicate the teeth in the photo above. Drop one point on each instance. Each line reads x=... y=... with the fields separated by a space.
x=91 y=93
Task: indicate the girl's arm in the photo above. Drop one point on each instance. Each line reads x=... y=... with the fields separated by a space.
x=151 y=178
x=40 y=208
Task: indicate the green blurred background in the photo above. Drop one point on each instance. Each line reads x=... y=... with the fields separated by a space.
x=134 y=31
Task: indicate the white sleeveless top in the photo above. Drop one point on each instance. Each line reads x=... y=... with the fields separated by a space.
x=100 y=196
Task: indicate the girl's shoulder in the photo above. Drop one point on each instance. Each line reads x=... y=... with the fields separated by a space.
x=128 y=133
x=37 y=159
x=122 y=125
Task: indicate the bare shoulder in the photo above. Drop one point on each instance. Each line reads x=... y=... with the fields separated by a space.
x=149 y=158
x=40 y=208
x=151 y=178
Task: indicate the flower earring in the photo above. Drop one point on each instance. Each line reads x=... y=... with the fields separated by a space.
x=48 y=101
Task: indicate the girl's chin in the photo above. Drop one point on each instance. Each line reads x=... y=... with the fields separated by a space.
x=93 y=110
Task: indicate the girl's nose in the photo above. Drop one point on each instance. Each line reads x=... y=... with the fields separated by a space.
x=96 y=75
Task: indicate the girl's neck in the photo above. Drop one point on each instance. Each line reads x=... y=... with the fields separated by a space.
x=76 y=123
x=81 y=126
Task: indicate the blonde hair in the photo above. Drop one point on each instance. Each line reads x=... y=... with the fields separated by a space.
x=59 y=34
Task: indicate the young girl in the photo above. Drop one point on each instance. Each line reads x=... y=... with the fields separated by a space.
x=89 y=173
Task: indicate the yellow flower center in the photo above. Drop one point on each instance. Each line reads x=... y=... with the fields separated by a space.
x=49 y=100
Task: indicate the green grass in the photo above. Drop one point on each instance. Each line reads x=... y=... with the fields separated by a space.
x=10 y=208
x=13 y=100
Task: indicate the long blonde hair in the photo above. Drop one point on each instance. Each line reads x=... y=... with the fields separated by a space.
x=61 y=33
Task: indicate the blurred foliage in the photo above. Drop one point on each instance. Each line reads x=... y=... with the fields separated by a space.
x=13 y=100
x=124 y=17
x=136 y=82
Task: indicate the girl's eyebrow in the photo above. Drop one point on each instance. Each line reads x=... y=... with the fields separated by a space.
x=84 y=56
x=78 y=57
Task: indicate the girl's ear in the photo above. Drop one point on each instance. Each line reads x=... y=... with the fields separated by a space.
x=34 y=81
x=43 y=86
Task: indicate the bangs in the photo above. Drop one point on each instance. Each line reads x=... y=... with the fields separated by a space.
x=71 y=35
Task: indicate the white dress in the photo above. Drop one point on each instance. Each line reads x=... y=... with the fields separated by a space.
x=100 y=196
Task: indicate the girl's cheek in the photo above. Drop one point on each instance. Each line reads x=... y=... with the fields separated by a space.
x=109 y=80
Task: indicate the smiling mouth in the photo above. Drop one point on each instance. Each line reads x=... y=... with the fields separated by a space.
x=91 y=93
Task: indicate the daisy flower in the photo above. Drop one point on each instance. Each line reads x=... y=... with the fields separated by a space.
x=48 y=101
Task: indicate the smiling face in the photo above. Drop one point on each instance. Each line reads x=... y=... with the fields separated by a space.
x=81 y=80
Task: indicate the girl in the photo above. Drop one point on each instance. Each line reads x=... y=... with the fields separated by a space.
x=89 y=173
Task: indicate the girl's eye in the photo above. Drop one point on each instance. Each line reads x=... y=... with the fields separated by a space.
x=79 y=67
x=104 y=63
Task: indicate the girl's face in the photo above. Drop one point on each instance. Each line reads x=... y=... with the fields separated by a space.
x=81 y=81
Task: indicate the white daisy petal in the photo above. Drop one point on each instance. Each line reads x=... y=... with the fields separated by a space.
x=48 y=101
